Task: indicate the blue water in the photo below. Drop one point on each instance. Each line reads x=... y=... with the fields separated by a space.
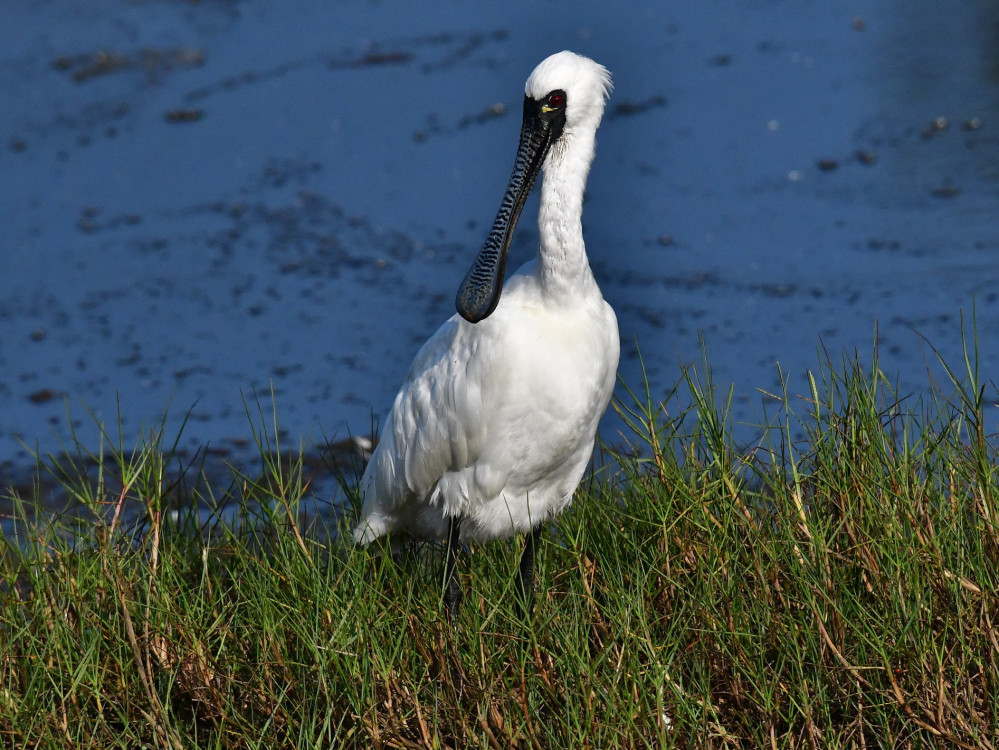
x=205 y=201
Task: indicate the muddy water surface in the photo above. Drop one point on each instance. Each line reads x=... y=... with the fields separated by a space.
x=204 y=203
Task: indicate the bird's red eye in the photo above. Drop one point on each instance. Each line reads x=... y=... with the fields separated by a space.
x=556 y=100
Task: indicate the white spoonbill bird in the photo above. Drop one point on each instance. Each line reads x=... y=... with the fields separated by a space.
x=496 y=420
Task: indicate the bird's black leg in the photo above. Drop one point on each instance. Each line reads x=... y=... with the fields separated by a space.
x=526 y=578
x=452 y=587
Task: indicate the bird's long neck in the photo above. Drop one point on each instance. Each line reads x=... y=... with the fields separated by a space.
x=562 y=265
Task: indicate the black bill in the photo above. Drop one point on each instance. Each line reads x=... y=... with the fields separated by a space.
x=480 y=291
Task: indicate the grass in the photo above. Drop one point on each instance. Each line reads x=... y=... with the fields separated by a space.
x=833 y=586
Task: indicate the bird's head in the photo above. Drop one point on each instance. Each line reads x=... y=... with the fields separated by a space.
x=570 y=88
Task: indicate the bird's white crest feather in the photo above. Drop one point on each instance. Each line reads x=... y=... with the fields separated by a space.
x=586 y=84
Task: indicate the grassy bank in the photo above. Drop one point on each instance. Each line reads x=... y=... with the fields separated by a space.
x=833 y=586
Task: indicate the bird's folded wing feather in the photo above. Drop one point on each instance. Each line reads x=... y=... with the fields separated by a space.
x=436 y=426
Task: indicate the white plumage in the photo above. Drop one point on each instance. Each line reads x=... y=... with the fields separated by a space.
x=495 y=422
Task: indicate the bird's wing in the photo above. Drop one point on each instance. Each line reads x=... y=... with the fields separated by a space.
x=437 y=426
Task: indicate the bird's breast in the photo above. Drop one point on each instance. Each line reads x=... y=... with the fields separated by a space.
x=560 y=364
